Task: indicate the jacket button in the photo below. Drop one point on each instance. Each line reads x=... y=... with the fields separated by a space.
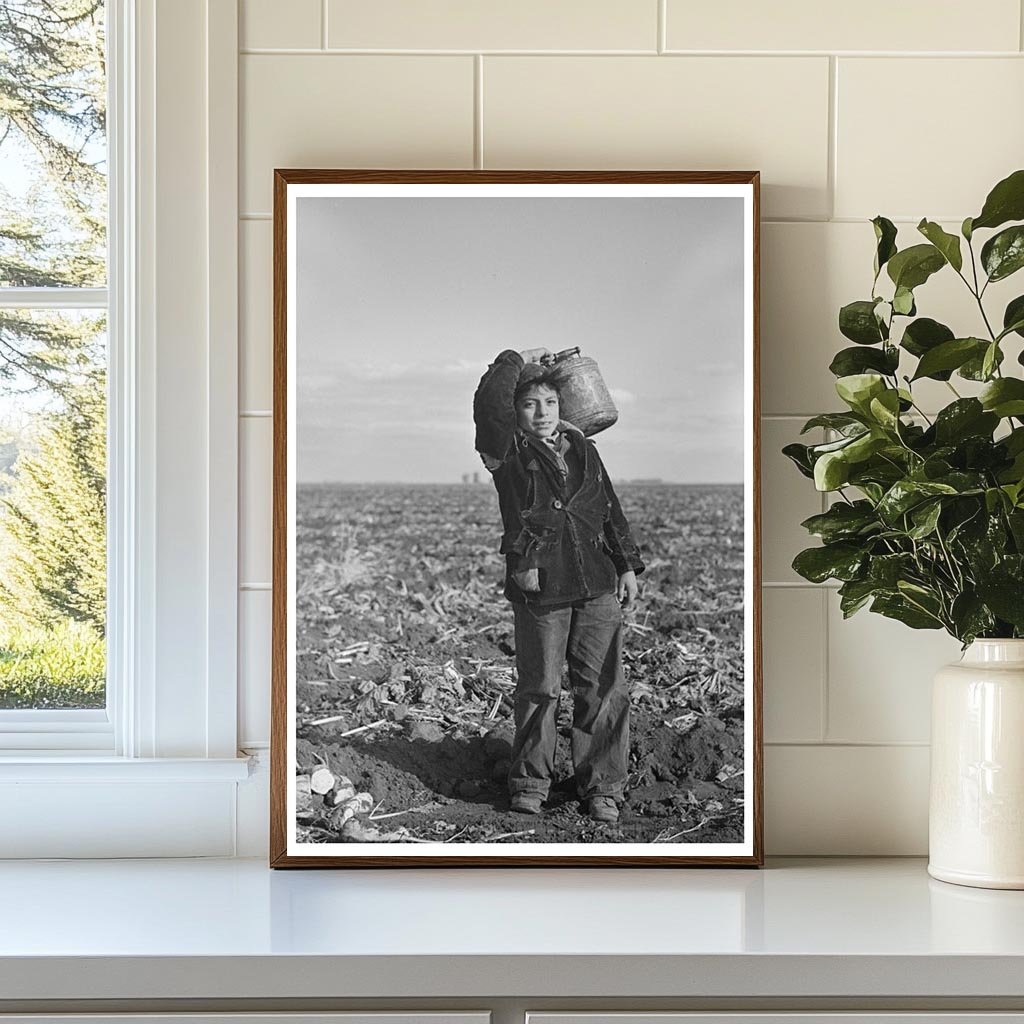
x=556 y=504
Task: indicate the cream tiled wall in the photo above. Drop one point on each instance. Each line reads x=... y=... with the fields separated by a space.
x=909 y=110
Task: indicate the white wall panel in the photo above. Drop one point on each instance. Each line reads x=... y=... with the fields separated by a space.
x=255 y=452
x=256 y=306
x=338 y=111
x=876 y=25
x=879 y=677
x=254 y=667
x=794 y=663
x=261 y=25
x=846 y=800
x=692 y=113
x=498 y=25
x=961 y=130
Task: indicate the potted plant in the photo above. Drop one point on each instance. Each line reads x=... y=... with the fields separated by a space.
x=927 y=521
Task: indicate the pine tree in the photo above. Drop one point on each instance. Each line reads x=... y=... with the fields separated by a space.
x=53 y=123
x=53 y=519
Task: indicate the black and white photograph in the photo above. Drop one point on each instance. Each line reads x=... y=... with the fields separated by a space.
x=515 y=495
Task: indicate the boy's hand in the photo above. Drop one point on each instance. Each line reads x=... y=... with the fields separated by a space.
x=534 y=355
x=627 y=589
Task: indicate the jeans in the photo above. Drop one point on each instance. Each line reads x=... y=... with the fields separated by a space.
x=588 y=634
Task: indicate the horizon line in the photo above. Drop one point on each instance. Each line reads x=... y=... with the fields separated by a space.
x=639 y=482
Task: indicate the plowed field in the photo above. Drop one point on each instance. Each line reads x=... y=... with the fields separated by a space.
x=405 y=670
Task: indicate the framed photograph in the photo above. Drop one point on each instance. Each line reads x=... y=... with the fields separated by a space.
x=516 y=563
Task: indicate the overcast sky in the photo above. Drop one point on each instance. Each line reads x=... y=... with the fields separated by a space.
x=402 y=303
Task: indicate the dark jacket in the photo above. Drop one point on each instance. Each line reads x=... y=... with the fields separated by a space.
x=580 y=543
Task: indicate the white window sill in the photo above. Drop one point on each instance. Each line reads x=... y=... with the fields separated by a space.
x=83 y=767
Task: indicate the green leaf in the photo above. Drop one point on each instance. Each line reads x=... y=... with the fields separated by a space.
x=841 y=561
x=1005 y=596
x=1003 y=254
x=1005 y=202
x=885 y=237
x=970 y=617
x=843 y=521
x=906 y=494
x=903 y=302
x=858 y=389
x=966 y=417
x=857 y=321
x=831 y=471
x=899 y=608
x=949 y=355
x=965 y=229
x=947 y=244
x=799 y=455
x=866 y=445
x=841 y=421
x=1004 y=397
x=925 y=518
x=912 y=267
x=849 y=361
x=923 y=335
x=885 y=409
x=854 y=595
x=1013 y=317
x=990 y=361
x=974 y=368
x=887 y=570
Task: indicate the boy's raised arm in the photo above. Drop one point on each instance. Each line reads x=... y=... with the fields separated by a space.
x=493 y=412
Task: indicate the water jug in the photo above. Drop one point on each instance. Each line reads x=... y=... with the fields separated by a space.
x=585 y=400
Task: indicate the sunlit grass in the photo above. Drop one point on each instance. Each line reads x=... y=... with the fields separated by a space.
x=62 y=667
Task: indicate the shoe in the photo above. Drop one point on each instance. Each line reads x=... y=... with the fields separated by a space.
x=526 y=803
x=604 y=808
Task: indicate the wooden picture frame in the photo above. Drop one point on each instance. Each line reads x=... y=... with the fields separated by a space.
x=329 y=307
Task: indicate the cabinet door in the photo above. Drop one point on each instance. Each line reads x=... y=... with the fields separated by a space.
x=783 y=1017
x=360 y=1017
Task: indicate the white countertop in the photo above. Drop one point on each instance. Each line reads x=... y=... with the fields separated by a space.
x=233 y=928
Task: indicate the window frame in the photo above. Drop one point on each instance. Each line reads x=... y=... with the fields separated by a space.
x=56 y=730
x=172 y=462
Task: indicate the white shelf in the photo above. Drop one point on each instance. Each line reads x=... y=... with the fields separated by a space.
x=233 y=929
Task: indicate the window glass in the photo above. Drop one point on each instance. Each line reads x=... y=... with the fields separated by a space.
x=53 y=389
x=53 y=180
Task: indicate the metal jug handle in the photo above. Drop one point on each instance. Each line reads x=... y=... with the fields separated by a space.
x=566 y=353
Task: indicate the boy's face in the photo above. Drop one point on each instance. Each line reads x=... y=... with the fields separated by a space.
x=537 y=411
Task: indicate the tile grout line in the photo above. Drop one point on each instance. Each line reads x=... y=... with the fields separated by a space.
x=257 y=51
x=323 y=25
x=662 y=41
x=1020 y=26
x=855 y=744
x=478 y=111
x=833 y=134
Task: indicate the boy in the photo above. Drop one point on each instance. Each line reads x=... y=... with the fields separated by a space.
x=571 y=565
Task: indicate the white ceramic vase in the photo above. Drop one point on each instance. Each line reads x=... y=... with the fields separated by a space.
x=976 y=814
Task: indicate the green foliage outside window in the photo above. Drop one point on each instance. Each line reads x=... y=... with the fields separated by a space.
x=927 y=525
x=52 y=365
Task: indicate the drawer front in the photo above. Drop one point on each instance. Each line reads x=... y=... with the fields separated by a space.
x=361 y=1017
x=784 y=1017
